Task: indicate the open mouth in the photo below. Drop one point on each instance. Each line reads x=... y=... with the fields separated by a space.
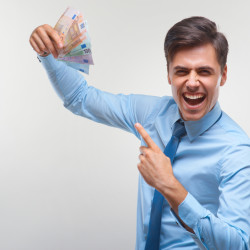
x=194 y=99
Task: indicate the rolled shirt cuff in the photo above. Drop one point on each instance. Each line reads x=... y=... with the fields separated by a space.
x=49 y=62
x=191 y=211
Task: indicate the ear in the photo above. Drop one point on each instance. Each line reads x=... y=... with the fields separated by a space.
x=169 y=81
x=223 y=76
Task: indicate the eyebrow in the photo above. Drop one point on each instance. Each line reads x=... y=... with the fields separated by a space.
x=178 y=67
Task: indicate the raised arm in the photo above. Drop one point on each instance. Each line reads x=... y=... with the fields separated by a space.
x=117 y=110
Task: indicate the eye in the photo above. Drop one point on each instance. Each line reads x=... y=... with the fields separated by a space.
x=204 y=72
x=181 y=72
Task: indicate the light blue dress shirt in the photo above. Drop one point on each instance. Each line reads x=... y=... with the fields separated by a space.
x=212 y=162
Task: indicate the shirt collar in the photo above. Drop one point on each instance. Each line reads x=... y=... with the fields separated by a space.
x=193 y=128
x=196 y=128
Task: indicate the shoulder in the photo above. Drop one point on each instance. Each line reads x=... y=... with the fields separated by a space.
x=152 y=106
x=236 y=153
x=150 y=100
x=232 y=131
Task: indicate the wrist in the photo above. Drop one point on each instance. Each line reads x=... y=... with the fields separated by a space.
x=168 y=186
x=174 y=193
x=44 y=54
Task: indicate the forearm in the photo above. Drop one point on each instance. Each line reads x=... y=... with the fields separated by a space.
x=175 y=194
x=211 y=231
x=65 y=80
x=100 y=106
x=207 y=229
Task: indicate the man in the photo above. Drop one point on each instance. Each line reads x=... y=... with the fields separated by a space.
x=204 y=185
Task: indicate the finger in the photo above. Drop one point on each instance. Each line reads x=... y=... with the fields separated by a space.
x=34 y=46
x=143 y=172
x=39 y=43
x=145 y=136
x=50 y=45
x=139 y=166
x=143 y=150
x=140 y=156
x=47 y=42
x=55 y=38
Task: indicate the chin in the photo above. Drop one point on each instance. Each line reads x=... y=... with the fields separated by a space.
x=188 y=116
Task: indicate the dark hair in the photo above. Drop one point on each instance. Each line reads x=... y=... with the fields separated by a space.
x=192 y=32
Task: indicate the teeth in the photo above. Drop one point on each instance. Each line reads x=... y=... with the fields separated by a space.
x=194 y=96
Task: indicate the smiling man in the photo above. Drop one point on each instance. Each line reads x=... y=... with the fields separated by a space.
x=194 y=183
x=196 y=75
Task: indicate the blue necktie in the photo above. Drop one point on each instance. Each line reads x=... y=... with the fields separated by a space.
x=153 y=237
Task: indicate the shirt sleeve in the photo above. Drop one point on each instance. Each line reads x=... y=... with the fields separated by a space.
x=229 y=229
x=117 y=110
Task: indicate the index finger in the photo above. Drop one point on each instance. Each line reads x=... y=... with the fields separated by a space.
x=55 y=37
x=145 y=136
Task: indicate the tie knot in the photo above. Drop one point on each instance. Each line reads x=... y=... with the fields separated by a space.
x=179 y=129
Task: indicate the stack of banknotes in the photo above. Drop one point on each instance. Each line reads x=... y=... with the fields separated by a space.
x=73 y=31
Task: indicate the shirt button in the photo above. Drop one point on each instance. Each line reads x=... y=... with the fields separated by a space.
x=176 y=223
x=202 y=239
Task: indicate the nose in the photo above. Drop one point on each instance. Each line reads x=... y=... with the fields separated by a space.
x=192 y=81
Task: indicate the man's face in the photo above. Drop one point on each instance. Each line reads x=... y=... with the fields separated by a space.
x=195 y=77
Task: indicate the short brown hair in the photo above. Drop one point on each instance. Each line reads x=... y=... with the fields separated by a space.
x=192 y=32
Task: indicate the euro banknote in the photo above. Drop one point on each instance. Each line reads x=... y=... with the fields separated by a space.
x=65 y=21
x=73 y=31
x=82 y=49
x=81 y=67
x=84 y=59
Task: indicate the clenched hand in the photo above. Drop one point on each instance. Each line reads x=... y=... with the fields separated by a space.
x=45 y=40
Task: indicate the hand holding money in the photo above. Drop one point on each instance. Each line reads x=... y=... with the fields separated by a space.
x=68 y=41
x=45 y=40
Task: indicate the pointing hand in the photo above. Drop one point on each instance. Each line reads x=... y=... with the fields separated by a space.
x=154 y=165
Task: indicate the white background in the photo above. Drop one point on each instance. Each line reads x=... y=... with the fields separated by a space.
x=67 y=183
